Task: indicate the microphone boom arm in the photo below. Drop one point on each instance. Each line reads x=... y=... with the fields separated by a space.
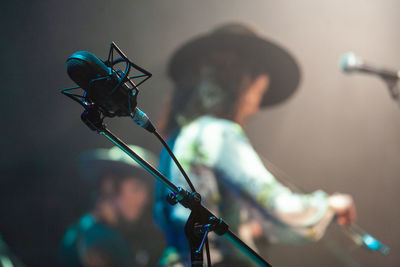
x=200 y=216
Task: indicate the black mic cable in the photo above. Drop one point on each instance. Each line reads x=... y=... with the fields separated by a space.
x=141 y=119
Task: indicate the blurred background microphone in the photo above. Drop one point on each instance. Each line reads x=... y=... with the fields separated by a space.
x=350 y=63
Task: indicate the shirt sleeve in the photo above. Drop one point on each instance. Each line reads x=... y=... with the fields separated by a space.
x=242 y=165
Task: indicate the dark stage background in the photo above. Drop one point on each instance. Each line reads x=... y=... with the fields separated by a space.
x=339 y=133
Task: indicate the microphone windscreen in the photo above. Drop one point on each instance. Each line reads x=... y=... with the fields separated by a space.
x=83 y=66
x=102 y=84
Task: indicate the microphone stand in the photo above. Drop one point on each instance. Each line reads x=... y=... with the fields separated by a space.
x=200 y=222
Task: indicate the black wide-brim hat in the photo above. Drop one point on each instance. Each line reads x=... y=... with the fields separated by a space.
x=279 y=64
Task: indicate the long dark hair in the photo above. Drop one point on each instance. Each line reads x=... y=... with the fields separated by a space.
x=212 y=86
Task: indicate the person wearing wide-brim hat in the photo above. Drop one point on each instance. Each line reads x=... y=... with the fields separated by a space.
x=221 y=78
x=121 y=188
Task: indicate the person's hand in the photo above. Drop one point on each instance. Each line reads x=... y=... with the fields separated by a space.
x=344 y=208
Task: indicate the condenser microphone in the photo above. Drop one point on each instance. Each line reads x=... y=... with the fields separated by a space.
x=105 y=88
x=350 y=63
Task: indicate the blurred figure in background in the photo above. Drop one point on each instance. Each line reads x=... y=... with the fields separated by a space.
x=121 y=190
x=222 y=78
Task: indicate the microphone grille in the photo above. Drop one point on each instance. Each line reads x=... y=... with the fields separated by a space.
x=349 y=62
x=83 y=66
